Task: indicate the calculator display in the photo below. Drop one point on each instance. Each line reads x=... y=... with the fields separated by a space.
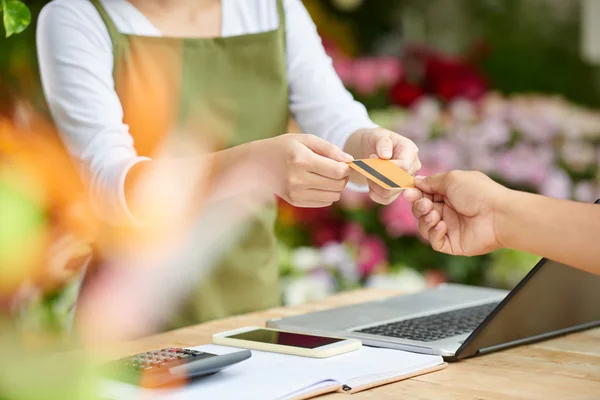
x=285 y=338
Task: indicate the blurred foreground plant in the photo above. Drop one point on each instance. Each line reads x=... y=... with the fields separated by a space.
x=16 y=16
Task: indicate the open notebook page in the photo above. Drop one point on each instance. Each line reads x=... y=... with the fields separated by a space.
x=279 y=376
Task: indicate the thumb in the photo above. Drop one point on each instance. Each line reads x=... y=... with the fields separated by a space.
x=384 y=147
x=324 y=148
x=434 y=184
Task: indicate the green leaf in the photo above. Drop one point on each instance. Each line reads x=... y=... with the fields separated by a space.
x=17 y=17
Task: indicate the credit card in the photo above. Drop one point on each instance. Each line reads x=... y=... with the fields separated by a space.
x=384 y=172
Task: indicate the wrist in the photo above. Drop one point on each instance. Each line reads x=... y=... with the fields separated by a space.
x=356 y=143
x=504 y=217
x=253 y=164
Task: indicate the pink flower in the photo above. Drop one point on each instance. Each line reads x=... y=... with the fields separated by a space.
x=366 y=79
x=442 y=154
x=494 y=132
x=545 y=154
x=414 y=128
x=372 y=253
x=484 y=160
x=558 y=185
x=390 y=70
x=399 y=219
x=353 y=233
x=343 y=67
x=520 y=165
x=532 y=120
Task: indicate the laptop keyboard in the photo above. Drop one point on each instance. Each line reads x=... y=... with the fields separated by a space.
x=436 y=326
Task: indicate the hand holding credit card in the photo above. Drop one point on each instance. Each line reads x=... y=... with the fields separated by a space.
x=383 y=172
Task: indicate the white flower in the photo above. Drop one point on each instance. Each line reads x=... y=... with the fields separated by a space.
x=338 y=256
x=307 y=288
x=587 y=192
x=578 y=154
x=427 y=109
x=494 y=132
x=305 y=258
x=558 y=185
x=407 y=280
x=462 y=110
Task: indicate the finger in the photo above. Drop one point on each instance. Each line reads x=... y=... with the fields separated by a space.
x=326 y=167
x=415 y=167
x=384 y=147
x=439 y=207
x=383 y=192
x=434 y=184
x=412 y=194
x=406 y=154
x=428 y=222
x=325 y=148
x=377 y=198
x=438 y=239
x=312 y=204
x=319 y=196
x=315 y=181
x=422 y=207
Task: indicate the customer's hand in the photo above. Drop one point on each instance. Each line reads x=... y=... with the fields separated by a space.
x=302 y=169
x=458 y=211
x=387 y=145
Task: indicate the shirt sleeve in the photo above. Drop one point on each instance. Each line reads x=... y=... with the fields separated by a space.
x=76 y=66
x=319 y=102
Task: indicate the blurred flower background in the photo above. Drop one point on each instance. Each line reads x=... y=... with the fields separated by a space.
x=519 y=104
x=508 y=87
x=461 y=90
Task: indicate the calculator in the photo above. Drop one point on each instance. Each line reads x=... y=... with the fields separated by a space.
x=170 y=366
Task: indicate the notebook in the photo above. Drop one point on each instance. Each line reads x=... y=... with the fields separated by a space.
x=286 y=377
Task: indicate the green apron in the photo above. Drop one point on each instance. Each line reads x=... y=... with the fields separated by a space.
x=227 y=91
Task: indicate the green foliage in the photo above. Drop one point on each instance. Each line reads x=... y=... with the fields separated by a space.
x=533 y=51
x=370 y=21
x=16 y=16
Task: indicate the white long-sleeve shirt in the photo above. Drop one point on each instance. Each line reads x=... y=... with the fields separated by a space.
x=76 y=62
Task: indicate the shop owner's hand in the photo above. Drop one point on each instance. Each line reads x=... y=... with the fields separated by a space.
x=304 y=170
x=387 y=145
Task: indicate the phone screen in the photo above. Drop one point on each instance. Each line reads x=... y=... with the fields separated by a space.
x=285 y=338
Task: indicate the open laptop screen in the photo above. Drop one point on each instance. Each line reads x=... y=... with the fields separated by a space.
x=552 y=299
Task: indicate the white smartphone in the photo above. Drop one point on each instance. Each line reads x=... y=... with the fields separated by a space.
x=278 y=341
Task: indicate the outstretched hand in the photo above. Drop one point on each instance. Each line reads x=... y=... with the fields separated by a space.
x=457 y=211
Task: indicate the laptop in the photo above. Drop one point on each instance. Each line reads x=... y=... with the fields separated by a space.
x=459 y=321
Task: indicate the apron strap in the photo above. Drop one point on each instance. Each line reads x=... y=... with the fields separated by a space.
x=281 y=13
x=110 y=25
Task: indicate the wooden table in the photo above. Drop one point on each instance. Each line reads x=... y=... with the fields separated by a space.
x=562 y=368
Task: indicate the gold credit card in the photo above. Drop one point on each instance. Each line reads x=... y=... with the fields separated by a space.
x=384 y=172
